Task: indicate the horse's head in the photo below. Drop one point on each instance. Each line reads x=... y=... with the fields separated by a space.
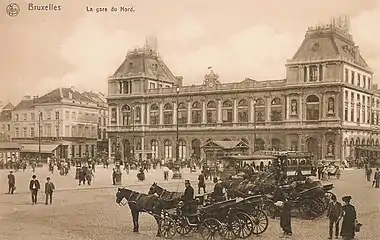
x=153 y=188
x=121 y=194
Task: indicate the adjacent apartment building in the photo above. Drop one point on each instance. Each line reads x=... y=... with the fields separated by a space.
x=64 y=120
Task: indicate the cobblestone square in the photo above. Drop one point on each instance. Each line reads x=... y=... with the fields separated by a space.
x=90 y=213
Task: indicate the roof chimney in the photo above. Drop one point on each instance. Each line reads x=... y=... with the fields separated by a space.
x=72 y=88
x=27 y=97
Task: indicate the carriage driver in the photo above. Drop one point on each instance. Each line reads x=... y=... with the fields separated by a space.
x=218 y=193
x=188 y=196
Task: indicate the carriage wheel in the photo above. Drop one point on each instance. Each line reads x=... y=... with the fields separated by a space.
x=210 y=229
x=183 y=227
x=260 y=221
x=247 y=225
x=231 y=228
x=167 y=228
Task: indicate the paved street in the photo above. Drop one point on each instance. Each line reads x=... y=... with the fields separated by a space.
x=92 y=214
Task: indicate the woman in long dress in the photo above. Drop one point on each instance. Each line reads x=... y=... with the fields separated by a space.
x=349 y=219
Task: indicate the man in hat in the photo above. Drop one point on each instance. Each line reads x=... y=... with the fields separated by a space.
x=349 y=219
x=376 y=178
x=34 y=186
x=218 y=190
x=334 y=213
x=201 y=183
x=188 y=196
x=49 y=189
x=11 y=182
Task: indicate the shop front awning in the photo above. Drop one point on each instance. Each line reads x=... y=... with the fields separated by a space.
x=34 y=148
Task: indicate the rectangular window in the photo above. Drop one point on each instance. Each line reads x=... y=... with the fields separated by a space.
x=346 y=114
x=346 y=95
x=32 y=118
x=352 y=77
x=25 y=132
x=346 y=75
x=313 y=73
x=74 y=116
x=364 y=82
x=57 y=115
x=17 y=132
x=359 y=79
x=152 y=85
x=352 y=97
x=369 y=83
x=67 y=115
x=32 y=132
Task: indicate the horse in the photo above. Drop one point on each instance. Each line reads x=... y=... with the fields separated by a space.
x=140 y=202
x=171 y=198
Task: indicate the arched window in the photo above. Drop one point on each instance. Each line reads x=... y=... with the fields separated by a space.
x=137 y=115
x=196 y=113
x=312 y=108
x=154 y=115
x=363 y=142
x=276 y=110
x=211 y=112
x=168 y=149
x=259 y=110
x=259 y=144
x=126 y=113
x=154 y=147
x=227 y=112
x=243 y=111
x=181 y=149
x=182 y=114
x=168 y=113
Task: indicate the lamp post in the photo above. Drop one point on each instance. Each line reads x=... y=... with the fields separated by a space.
x=39 y=135
x=133 y=132
x=176 y=173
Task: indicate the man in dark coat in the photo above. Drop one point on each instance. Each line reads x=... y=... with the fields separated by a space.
x=286 y=219
x=334 y=213
x=218 y=190
x=349 y=219
x=201 y=183
x=49 y=189
x=188 y=196
x=376 y=179
x=34 y=186
x=11 y=182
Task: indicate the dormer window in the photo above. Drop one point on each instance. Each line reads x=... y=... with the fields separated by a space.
x=155 y=66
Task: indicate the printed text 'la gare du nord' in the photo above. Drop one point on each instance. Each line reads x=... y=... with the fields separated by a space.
x=109 y=9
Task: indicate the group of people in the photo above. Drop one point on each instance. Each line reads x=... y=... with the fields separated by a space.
x=34 y=187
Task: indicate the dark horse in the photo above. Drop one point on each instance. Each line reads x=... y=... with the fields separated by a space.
x=171 y=198
x=140 y=202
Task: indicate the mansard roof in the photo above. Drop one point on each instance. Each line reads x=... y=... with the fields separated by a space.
x=24 y=105
x=146 y=62
x=59 y=94
x=328 y=42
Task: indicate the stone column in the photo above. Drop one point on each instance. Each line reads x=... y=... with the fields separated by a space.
x=300 y=108
x=324 y=68
x=300 y=142
x=142 y=114
x=175 y=113
x=235 y=117
x=307 y=73
x=322 y=105
x=204 y=112
x=144 y=157
x=188 y=112
x=318 y=72
x=267 y=108
x=251 y=109
x=109 y=147
x=121 y=87
x=118 y=115
x=147 y=114
x=161 y=109
x=219 y=111
x=323 y=143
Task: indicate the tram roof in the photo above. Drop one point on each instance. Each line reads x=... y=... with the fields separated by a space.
x=249 y=157
x=298 y=154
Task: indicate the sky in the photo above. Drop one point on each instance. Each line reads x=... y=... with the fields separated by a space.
x=41 y=51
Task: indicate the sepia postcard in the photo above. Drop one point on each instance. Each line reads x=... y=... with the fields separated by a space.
x=127 y=119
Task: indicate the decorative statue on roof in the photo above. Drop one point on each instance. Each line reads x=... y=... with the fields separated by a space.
x=211 y=79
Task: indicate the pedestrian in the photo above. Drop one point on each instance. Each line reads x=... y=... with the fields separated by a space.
x=113 y=176
x=219 y=191
x=34 y=186
x=349 y=219
x=166 y=173
x=188 y=196
x=201 y=183
x=334 y=213
x=49 y=189
x=286 y=219
x=376 y=179
x=11 y=183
